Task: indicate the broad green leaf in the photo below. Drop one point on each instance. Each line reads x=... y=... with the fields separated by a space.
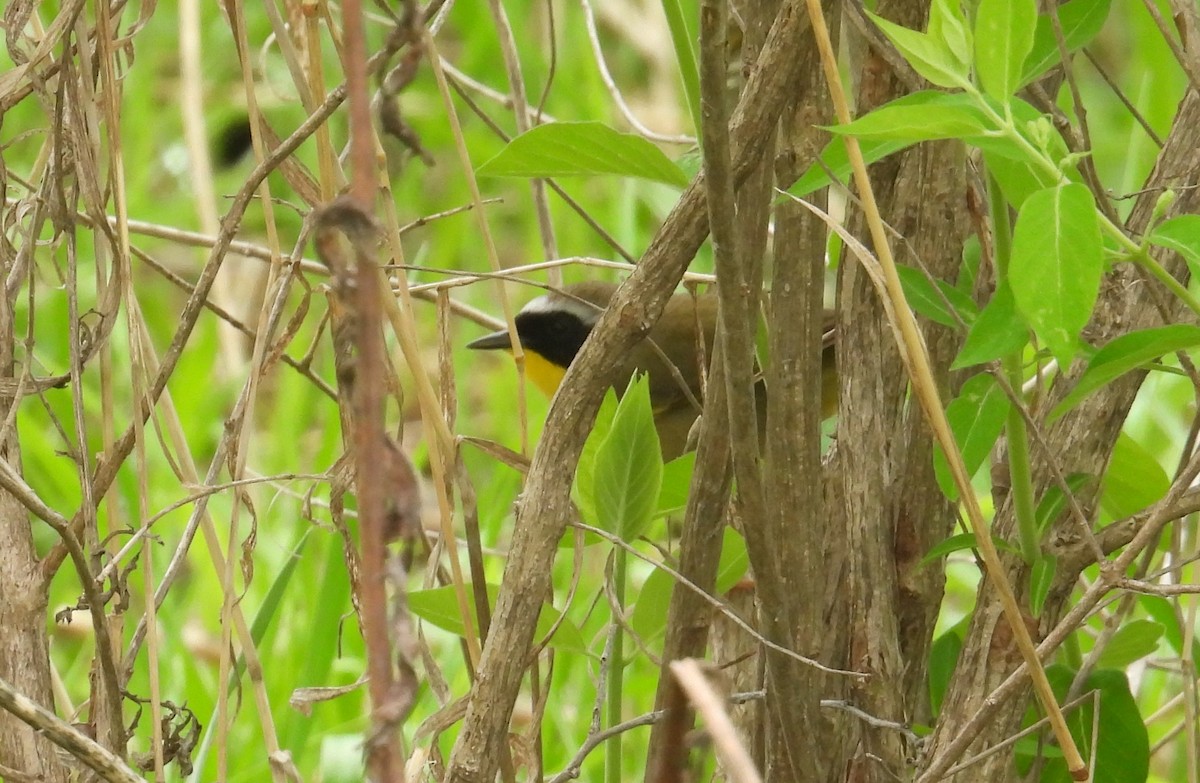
x=1121 y=740
x=1057 y=260
x=925 y=300
x=1004 y=32
x=438 y=606
x=1181 y=234
x=583 y=491
x=1126 y=354
x=629 y=466
x=929 y=56
x=649 y=616
x=947 y=24
x=1033 y=745
x=834 y=164
x=1080 y=20
x=911 y=124
x=676 y=481
x=1041 y=578
x=1133 y=641
x=955 y=543
x=1163 y=612
x=958 y=543
x=943 y=658
x=1018 y=179
x=1134 y=479
x=564 y=149
x=977 y=418
x=734 y=560
x=835 y=160
x=997 y=332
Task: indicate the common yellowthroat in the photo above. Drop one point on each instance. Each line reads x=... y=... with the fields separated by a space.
x=553 y=327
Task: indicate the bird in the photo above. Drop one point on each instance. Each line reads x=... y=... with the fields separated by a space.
x=553 y=327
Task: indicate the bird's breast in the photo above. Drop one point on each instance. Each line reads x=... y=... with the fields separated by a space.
x=545 y=374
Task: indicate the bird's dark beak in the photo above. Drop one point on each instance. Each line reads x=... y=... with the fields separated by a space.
x=492 y=342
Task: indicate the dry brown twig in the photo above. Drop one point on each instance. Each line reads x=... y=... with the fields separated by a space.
x=735 y=759
x=362 y=381
x=106 y=469
x=89 y=752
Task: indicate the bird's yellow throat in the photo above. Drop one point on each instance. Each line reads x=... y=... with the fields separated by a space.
x=546 y=375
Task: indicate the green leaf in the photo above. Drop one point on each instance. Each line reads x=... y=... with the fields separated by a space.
x=438 y=606
x=943 y=658
x=583 y=491
x=691 y=162
x=1126 y=354
x=331 y=595
x=997 y=332
x=1054 y=501
x=1181 y=234
x=968 y=271
x=1018 y=179
x=958 y=543
x=1032 y=746
x=835 y=160
x=278 y=590
x=914 y=123
x=1134 y=479
x=1004 y=31
x=270 y=607
x=1080 y=20
x=676 y=481
x=735 y=562
x=931 y=57
x=1121 y=740
x=977 y=418
x=947 y=24
x=1041 y=578
x=564 y=149
x=1133 y=641
x=629 y=466
x=649 y=616
x=1163 y=612
x=1057 y=260
x=683 y=40
x=925 y=300
x=834 y=163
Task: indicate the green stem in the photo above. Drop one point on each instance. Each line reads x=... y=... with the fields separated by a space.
x=616 y=673
x=1140 y=255
x=1022 y=480
x=685 y=54
x=1020 y=473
